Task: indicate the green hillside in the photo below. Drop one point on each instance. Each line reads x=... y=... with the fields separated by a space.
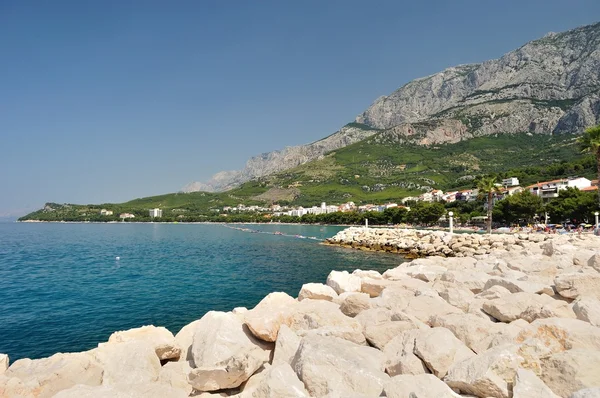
x=378 y=169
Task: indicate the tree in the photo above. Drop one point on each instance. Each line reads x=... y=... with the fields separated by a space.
x=572 y=204
x=520 y=206
x=590 y=142
x=426 y=213
x=487 y=186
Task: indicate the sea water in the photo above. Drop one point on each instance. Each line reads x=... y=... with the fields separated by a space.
x=66 y=287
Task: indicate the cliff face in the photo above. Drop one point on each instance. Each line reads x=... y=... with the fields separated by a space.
x=548 y=86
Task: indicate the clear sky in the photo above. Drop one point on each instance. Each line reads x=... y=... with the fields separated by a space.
x=106 y=101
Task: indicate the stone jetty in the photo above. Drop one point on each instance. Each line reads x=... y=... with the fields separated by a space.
x=513 y=317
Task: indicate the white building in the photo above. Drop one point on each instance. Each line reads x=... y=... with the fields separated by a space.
x=105 y=212
x=510 y=182
x=126 y=215
x=550 y=189
x=155 y=213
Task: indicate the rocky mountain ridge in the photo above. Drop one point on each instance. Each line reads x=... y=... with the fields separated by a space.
x=548 y=86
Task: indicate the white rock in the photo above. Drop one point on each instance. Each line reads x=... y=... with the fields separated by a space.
x=554 y=309
x=588 y=309
x=175 y=375
x=570 y=371
x=400 y=357
x=131 y=362
x=587 y=393
x=594 y=262
x=149 y=390
x=509 y=308
x=440 y=349
x=493 y=292
x=473 y=280
x=473 y=331
x=47 y=376
x=325 y=318
x=506 y=333
x=561 y=334
x=367 y=274
x=184 y=339
x=575 y=284
x=455 y=295
x=516 y=286
x=286 y=346
x=380 y=334
x=274 y=310
x=3 y=363
x=332 y=365
x=160 y=338
x=424 y=307
x=489 y=374
x=225 y=353
x=354 y=304
x=279 y=381
x=342 y=281
x=528 y=385
x=421 y=386
x=316 y=291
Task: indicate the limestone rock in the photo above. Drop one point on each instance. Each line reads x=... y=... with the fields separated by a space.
x=280 y=381
x=175 y=374
x=457 y=296
x=149 y=390
x=528 y=385
x=473 y=280
x=570 y=371
x=594 y=262
x=424 y=307
x=554 y=309
x=510 y=308
x=473 y=331
x=354 y=304
x=160 y=338
x=342 y=281
x=286 y=346
x=576 y=284
x=332 y=365
x=588 y=309
x=400 y=357
x=587 y=393
x=421 y=386
x=367 y=274
x=184 y=339
x=489 y=374
x=3 y=363
x=379 y=335
x=47 y=376
x=225 y=352
x=493 y=292
x=130 y=362
x=317 y=291
x=562 y=334
x=324 y=318
x=516 y=286
x=440 y=349
x=274 y=310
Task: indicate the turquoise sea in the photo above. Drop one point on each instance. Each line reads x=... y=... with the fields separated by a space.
x=67 y=287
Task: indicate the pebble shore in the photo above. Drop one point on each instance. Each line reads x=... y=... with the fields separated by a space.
x=507 y=316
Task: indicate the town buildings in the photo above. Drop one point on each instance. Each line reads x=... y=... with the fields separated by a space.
x=155 y=213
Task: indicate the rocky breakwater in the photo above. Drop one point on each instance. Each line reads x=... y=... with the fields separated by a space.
x=522 y=321
x=420 y=243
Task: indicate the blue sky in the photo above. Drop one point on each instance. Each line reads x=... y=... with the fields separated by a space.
x=106 y=101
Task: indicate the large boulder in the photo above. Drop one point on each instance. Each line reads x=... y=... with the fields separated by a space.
x=325 y=318
x=475 y=332
x=561 y=334
x=517 y=286
x=554 y=309
x=400 y=357
x=45 y=377
x=184 y=339
x=593 y=392
x=594 y=262
x=3 y=363
x=379 y=335
x=149 y=390
x=286 y=346
x=160 y=338
x=473 y=280
x=575 y=284
x=274 y=310
x=329 y=365
x=509 y=308
x=342 y=281
x=529 y=385
x=493 y=292
x=588 y=309
x=455 y=295
x=175 y=374
x=317 y=291
x=420 y=386
x=225 y=352
x=569 y=371
x=440 y=349
x=130 y=362
x=424 y=307
x=279 y=381
x=489 y=374
x=354 y=304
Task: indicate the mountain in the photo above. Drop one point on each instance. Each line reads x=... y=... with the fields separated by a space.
x=548 y=86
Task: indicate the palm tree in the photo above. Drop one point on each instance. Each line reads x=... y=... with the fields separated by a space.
x=590 y=142
x=487 y=186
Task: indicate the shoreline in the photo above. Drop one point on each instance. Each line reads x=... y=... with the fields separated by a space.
x=480 y=324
